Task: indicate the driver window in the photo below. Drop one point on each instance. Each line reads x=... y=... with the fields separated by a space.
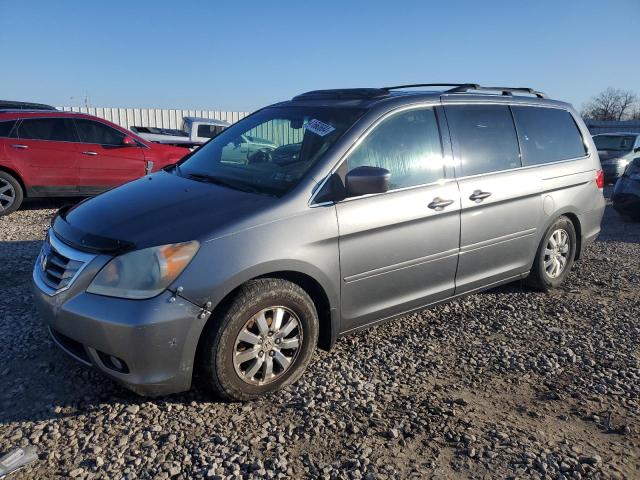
x=408 y=145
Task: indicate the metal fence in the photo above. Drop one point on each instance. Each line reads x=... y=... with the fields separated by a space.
x=153 y=117
x=608 y=126
x=277 y=131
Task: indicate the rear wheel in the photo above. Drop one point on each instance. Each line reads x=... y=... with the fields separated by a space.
x=555 y=255
x=11 y=194
x=261 y=341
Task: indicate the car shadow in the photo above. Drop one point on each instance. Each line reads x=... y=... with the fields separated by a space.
x=48 y=203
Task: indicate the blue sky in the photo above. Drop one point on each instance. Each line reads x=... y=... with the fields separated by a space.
x=243 y=55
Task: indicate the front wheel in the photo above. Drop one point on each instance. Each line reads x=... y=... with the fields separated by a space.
x=261 y=340
x=555 y=255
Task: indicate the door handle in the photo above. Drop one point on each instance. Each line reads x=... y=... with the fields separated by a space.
x=478 y=196
x=89 y=152
x=21 y=147
x=439 y=204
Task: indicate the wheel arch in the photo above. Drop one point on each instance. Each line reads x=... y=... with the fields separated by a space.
x=327 y=313
x=573 y=217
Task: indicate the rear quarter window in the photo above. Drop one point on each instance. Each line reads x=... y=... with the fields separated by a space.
x=547 y=135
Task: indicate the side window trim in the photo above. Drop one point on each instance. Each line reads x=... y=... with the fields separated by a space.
x=446 y=142
x=515 y=127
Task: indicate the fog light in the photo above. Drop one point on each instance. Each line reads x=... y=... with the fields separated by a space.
x=113 y=363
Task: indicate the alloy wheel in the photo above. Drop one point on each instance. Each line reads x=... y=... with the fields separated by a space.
x=267 y=345
x=7 y=195
x=556 y=253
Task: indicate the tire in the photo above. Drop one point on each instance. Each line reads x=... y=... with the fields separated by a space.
x=260 y=312
x=544 y=276
x=11 y=194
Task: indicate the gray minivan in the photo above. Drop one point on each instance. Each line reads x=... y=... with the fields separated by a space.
x=374 y=203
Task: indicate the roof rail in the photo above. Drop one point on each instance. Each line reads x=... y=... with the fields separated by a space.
x=413 y=85
x=507 y=91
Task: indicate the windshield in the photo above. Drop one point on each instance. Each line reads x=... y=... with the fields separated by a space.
x=614 y=142
x=270 y=151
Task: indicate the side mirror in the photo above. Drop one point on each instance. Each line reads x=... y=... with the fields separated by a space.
x=128 y=142
x=367 y=180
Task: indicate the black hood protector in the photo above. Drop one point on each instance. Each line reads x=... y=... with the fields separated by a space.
x=155 y=210
x=76 y=238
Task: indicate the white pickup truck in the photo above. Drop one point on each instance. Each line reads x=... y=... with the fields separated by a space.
x=195 y=131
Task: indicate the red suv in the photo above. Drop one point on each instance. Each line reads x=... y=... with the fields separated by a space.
x=53 y=153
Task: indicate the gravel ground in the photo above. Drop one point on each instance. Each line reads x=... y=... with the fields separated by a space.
x=507 y=383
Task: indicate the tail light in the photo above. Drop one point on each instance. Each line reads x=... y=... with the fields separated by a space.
x=600 y=179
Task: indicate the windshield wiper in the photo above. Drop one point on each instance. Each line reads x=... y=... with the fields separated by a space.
x=243 y=187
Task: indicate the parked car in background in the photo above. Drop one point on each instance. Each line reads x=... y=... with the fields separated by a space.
x=17 y=105
x=626 y=193
x=374 y=203
x=616 y=150
x=195 y=131
x=53 y=153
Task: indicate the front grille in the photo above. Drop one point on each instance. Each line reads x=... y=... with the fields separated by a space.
x=58 y=265
x=57 y=270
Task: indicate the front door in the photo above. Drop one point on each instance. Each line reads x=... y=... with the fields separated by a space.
x=104 y=161
x=399 y=250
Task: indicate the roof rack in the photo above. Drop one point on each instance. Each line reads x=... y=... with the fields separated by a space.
x=414 y=85
x=507 y=91
x=372 y=93
x=465 y=87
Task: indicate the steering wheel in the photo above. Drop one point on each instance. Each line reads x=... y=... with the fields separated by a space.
x=261 y=156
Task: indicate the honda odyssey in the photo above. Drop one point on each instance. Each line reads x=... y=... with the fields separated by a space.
x=375 y=202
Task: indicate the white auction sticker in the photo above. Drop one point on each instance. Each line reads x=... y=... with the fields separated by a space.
x=318 y=127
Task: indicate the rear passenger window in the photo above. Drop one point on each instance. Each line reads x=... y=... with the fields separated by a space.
x=547 y=135
x=408 y=145
x=96 y=132
x=484 y=138
x=6 y=127
x=53 y=129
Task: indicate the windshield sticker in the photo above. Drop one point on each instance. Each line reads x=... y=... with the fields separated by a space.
x=318 y=127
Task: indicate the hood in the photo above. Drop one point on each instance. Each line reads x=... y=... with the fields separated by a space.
x=158 y=209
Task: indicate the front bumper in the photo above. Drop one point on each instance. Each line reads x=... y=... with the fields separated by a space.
x=155 y=338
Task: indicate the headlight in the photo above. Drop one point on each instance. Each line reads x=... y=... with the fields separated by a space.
x=143 y=273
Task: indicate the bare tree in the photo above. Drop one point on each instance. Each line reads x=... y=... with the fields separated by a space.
x=611 y=104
